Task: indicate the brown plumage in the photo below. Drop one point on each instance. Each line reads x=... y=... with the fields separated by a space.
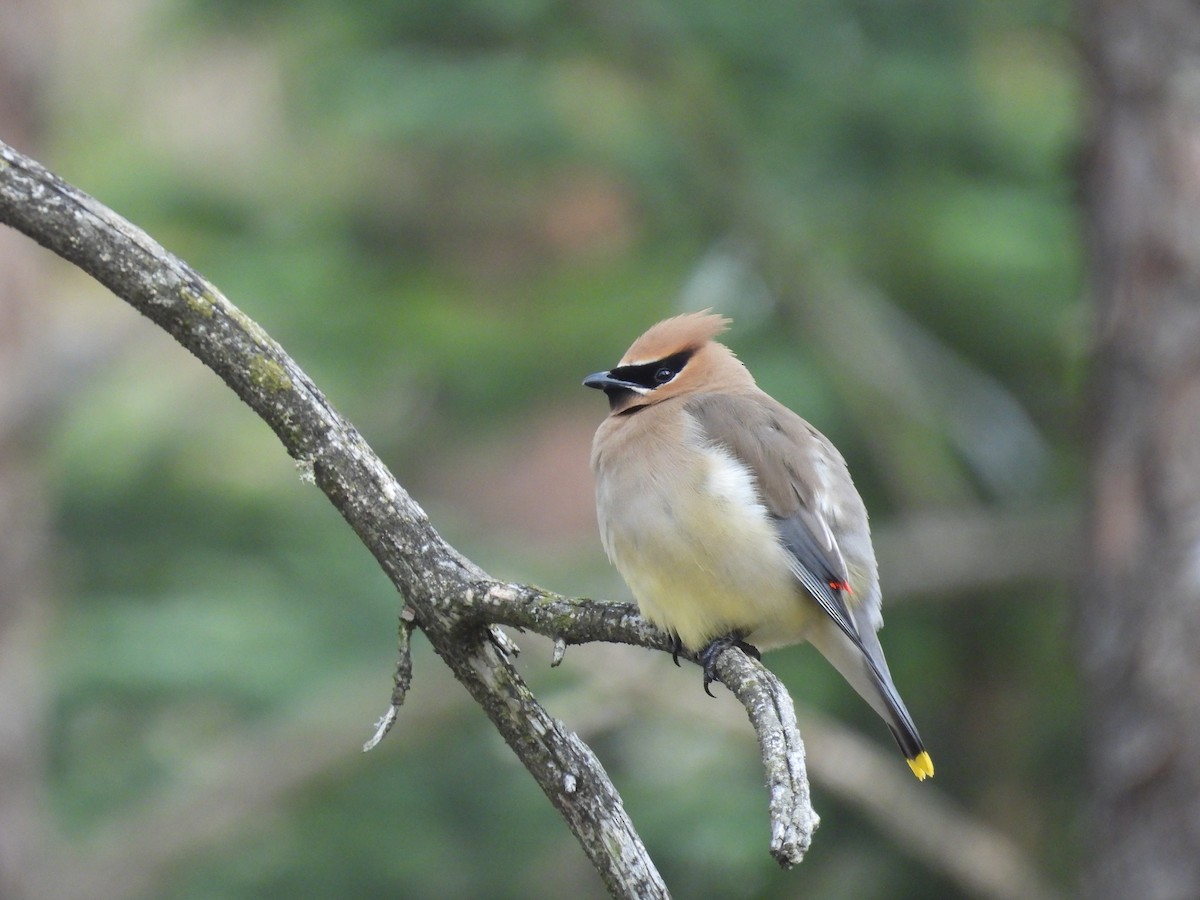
x=732 y=519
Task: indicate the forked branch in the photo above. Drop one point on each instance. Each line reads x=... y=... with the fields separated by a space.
x=454 y=602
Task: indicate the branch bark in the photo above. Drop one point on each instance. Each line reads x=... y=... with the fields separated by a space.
x=456 y=604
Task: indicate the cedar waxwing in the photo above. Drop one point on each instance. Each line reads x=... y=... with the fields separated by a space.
x=732 y=519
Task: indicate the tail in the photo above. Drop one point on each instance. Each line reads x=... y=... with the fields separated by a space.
x=900 y=723
x=866 y=669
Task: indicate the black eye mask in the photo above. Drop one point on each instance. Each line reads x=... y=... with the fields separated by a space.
x=653 y=374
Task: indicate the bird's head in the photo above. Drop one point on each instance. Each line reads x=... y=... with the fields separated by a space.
x=676 y=357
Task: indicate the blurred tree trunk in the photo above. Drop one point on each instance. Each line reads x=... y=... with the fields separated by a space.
x=1139 y=615
x=23 y=519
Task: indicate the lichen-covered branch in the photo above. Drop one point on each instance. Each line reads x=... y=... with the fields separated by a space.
x=768 y=703
x=454 y=602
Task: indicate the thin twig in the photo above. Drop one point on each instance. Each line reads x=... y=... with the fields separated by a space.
x=401 y=680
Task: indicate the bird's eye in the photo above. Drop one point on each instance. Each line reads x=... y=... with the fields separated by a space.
x=663 y=375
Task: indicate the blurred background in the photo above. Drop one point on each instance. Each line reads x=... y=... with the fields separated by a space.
x=449 y=213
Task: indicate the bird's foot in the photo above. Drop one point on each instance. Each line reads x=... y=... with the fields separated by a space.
x=676 y=648
x=711 y=653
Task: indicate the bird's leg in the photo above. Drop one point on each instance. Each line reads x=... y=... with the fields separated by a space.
x=711 y=653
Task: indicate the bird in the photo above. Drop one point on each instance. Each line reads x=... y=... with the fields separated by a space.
x=733 y=520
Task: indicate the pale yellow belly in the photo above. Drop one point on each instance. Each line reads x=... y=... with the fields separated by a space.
x=704 y=559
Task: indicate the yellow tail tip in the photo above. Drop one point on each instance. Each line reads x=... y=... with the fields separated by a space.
x=921 y=765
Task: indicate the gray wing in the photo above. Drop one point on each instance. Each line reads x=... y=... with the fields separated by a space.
x=782 y=450
x=800 y=475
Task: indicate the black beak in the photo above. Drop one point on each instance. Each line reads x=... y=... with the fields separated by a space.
x=603 y=381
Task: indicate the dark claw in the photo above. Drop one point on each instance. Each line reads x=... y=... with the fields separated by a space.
x=710 y=654
x=676 y=648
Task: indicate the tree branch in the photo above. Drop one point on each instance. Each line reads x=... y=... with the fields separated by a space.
x=453 y=600
x=768 y=703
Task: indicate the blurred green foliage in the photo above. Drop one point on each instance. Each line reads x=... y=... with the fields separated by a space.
x=449 y=212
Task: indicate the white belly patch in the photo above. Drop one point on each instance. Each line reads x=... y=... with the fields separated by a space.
x=702 y=556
